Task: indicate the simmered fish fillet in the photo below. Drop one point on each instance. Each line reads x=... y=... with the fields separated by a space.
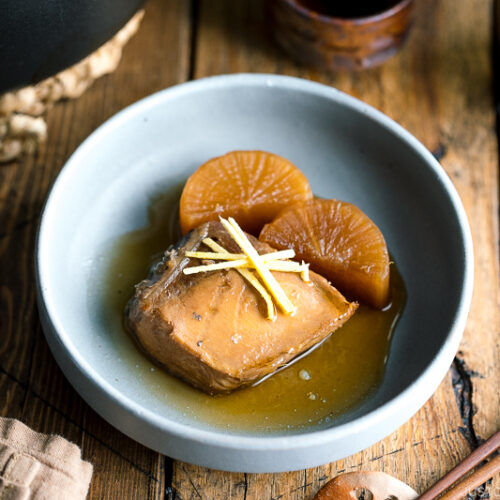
x=210 y=329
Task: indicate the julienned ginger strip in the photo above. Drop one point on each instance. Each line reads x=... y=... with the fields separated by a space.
x=269 y=280
x=272 y=259
x=271 y=312
x=263 y=264
x=283 y=266
x=280 y=254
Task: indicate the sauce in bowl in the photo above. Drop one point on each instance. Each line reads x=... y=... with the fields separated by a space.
x=333 y=379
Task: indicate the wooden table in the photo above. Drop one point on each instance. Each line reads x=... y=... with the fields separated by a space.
x=440 y=87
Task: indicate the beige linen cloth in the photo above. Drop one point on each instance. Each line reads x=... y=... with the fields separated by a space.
x=38 y=466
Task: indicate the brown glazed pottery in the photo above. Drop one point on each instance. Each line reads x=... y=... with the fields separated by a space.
x=309 y=32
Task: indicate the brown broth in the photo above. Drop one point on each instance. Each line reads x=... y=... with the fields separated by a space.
x=343 y=372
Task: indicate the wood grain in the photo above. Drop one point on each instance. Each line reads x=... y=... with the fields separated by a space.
x=439 y=87
x=32 y=388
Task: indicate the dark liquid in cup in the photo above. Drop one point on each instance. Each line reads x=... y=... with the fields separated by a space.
x=349 y=9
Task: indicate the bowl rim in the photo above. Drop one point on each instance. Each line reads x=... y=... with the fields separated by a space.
x=314 y=15
x=431 y=375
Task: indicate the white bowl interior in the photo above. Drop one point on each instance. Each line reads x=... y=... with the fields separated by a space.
x=346 y=150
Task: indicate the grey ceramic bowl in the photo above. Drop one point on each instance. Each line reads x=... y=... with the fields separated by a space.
x=348 y=151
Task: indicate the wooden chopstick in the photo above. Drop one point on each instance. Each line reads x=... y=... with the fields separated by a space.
x=470 y=482
x=478 y=477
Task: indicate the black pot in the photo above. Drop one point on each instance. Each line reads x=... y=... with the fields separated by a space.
x=39 y=38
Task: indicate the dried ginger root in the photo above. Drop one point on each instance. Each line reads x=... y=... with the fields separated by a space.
x=22 y=126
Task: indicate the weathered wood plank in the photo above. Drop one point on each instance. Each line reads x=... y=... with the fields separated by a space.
x=439 y=88
x=12 y=394
x=32 y=388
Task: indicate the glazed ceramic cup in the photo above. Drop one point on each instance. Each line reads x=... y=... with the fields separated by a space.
x=321 y=40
